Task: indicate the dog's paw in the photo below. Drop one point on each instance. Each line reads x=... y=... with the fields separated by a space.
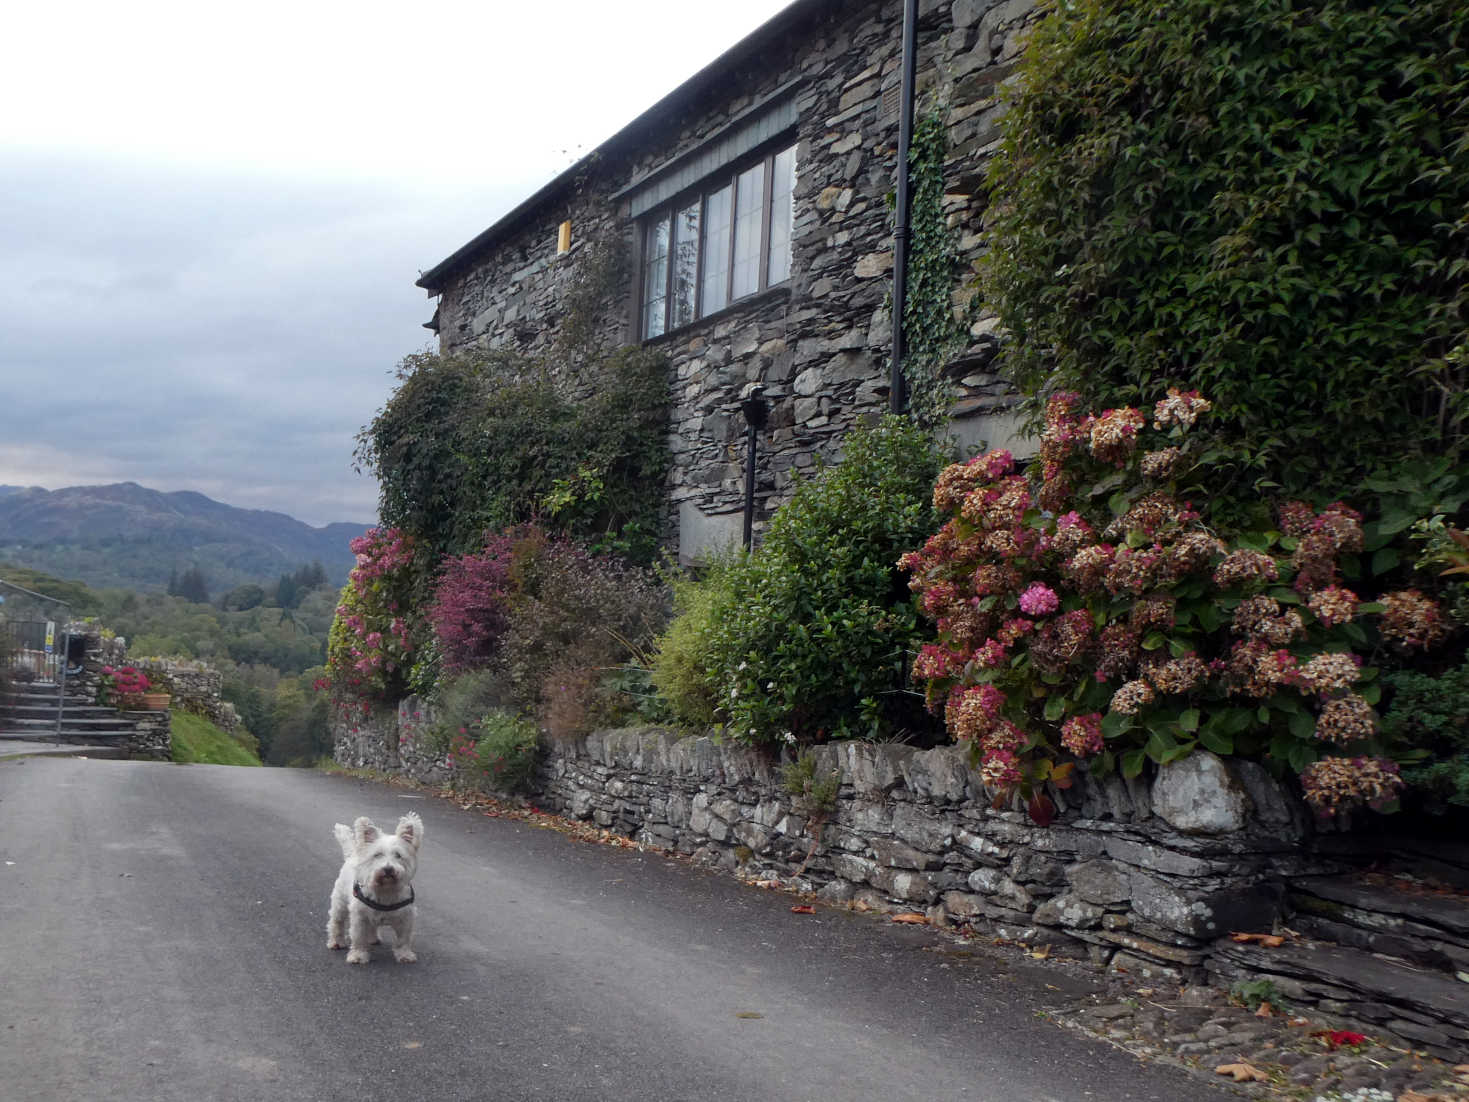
x=335 y=943
x=358 y=956
x=404 y=956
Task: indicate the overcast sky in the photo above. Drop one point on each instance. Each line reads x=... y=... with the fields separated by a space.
x=213 y=215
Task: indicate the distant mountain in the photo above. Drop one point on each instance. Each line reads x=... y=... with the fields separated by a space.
x=129 y=536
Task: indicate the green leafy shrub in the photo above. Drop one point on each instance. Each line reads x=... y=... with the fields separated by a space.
x=683 y=656
x=498 y=754
x=1264 y=200
x=1432 y=714
x=457 y=703
x=810 y=635
x=1086 y=612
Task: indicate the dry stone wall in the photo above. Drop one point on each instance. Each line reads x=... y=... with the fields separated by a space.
x=818 y=343
x=1142 y=876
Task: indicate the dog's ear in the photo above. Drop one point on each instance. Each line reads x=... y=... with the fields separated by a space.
x=410 y=829
x=364 y=832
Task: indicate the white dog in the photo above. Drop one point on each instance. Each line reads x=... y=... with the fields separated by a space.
x=375 y=888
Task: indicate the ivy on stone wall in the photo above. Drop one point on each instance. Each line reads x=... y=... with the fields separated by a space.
x=1262 y=199
x=481 y=440
x=931 y=333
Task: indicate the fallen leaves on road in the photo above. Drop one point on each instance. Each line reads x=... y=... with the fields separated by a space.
x=803 y=909
x=748 y=1014
x=1269 y=941
x=1043 y=953
x=911 y=918
x=1243 y=1073
x=768 y=885
x=1414 y=1096
x=1336 y=1038
x=1265 y=1011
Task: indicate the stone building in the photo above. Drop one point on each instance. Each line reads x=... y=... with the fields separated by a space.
x=743 y=225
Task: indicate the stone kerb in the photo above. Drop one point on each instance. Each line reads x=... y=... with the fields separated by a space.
x=1138 y=875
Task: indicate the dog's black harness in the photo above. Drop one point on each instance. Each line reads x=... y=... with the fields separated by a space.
x=375 y=905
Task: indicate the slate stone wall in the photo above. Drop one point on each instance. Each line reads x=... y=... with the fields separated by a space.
x=1141 y=876
x=820 y=342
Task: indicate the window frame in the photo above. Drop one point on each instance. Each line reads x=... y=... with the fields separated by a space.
x=667 y=213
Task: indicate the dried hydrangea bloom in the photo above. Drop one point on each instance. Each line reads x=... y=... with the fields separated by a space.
x=1244 y=566
x=995 y=578
x=1180 y=408
x=1331 y=673
x=1004 y=735
x=1000 y=770
x=1152 y=613
x=1072 y=534
x=1112 y=435
x=1346 y=719
x=1189 y=553
x=1133 y=571
x=1179 y=675
x=1252 y=612
x=935 y=662
x=938 y=599
x=1412 y=619
x=1088 y=567
x=1255 y=670
x=1082 y=735
x=1341 y=784
x=1161 y=465
x=1055 y=492
x=1063 y=641
x=1132 y=696
x=1260 y=618
x=1333 y=605
x=1296 y=518
x=972 y=712
x=1118 y=650
x=956 y=482
x=965 y=626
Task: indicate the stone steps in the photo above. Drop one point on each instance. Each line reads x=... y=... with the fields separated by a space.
x=1393 y=917
x=28 y=713
x=1425 y=1007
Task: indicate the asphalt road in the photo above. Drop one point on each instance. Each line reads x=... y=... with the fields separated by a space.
x=162 y=936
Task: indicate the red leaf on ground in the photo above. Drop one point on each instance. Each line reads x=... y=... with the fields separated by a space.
x=803 y=909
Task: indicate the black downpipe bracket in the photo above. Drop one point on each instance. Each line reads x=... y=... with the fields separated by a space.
x=897 y=385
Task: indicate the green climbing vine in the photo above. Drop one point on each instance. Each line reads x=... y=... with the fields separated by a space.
x=931 y=333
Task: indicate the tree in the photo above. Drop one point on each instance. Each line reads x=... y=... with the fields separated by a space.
x=191 y=586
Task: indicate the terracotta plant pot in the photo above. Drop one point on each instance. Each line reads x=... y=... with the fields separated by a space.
x=155 y=702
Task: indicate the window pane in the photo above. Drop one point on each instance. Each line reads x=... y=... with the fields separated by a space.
x=685 y=263
x=716 y=251
x=782 y=214
x=749 y=198
x=655 y=278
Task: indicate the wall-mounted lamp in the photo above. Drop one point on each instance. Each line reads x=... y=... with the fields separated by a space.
x=563 y=238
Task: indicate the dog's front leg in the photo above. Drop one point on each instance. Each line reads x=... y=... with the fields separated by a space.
x=403 y=941
x=364 y=934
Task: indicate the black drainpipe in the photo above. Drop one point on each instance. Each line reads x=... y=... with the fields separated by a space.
x=756 y=411
x=897 y=386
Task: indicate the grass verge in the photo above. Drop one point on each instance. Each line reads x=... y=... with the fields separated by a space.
x=195 y=739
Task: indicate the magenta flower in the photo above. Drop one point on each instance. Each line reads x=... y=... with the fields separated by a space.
x=1039 y=600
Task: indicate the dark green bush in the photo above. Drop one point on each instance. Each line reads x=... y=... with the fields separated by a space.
x=1266 y=200
x=810 y=636
x=480 y=441
x=1431 y=714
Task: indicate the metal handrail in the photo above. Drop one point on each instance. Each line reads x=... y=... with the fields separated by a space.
x=65 y=648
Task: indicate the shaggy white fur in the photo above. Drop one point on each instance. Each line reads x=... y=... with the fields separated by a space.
x=375 y=888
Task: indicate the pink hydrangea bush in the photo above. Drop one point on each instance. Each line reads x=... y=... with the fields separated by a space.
x=370 y=649
x=1088 y=614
